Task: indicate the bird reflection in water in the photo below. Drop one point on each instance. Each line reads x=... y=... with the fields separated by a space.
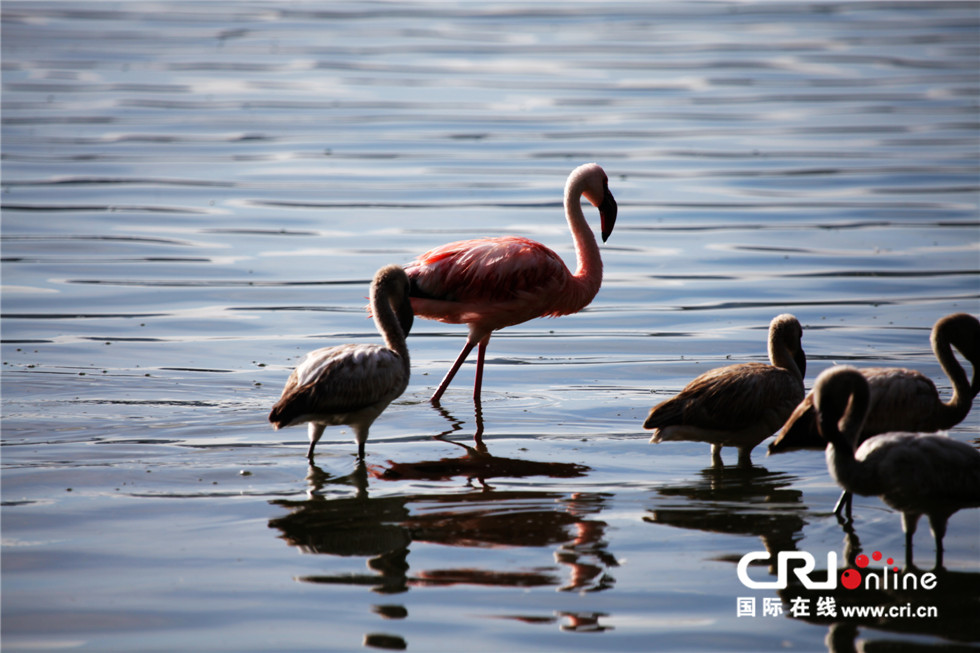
x=576 y=622
x=955 y=599
x=333 y=520
x=477 y=464
x=385 y=641
x=736 y=501
x=846 y=637
x=584 y=553
x=349 y=525
x=583 y=622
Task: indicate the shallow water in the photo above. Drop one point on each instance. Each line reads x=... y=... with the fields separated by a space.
x=194 y=195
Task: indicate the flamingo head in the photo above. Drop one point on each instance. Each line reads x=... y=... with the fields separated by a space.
x=840 y=397
x=961 y=330
x=785 y=332
x=596 y=190
x=394 y=282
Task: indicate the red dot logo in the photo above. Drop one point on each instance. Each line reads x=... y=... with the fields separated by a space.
x=862 y=560
x=851 y=578
x=877 y=556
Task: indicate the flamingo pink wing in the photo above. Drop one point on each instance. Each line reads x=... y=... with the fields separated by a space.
x=484 y=275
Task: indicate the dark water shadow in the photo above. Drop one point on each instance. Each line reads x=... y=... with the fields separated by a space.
x=848 y=638
x=576 y=622
x=476 y=464
x=948 y=612
x=382 y=528
x=735 y=500
x=939 y=603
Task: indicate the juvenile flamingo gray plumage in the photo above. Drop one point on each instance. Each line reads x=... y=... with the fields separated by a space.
x=915 y=473
x=353 y=384
x=738 y=405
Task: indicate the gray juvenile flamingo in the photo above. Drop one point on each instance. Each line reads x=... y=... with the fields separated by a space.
x=353 y=384
x=902 y=399
x=738 y=405
x=492 y=283
x=914 y=473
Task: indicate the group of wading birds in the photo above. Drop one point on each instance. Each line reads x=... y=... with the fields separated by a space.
x=879 y=426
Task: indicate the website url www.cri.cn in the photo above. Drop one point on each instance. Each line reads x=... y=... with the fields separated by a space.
x=890 y=611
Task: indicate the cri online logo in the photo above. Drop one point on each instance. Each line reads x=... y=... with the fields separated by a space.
x=849 y=578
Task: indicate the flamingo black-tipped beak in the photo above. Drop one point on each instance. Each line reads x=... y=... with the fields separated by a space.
x=607 y=214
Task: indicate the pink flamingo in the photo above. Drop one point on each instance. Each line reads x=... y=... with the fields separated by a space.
x=492 y=283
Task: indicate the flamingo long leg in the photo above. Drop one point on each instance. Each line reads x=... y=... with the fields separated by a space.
x=843 y=507
x=467 y=348
x=909 y=523
x=315 y=431
x=481 y=355
x=938 y=524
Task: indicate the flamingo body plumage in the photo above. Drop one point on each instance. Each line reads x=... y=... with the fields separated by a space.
x=492 y=283
x=495 y=282
x=915 y=473
x=737 y=405
x=352 y=384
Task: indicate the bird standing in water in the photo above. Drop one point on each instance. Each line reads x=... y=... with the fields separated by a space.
x=353 y=384
x=738 y=405
x=914 y=473
x=902 y=399
x=492 y=283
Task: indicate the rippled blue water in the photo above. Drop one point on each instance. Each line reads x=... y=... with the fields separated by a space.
x=195 y=194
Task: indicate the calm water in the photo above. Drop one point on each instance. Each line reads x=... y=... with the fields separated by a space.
x=194 y=195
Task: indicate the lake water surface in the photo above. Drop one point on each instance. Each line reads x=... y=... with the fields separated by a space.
x=196 y=194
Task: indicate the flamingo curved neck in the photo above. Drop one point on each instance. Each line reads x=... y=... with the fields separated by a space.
x=847 y=471
x=956 y=409
x=780 y=356
x=781 y=352
x=387 y=323
x=840 y=427
x=588 y=272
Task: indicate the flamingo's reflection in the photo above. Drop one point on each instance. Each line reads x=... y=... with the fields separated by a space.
x=478 y=463
x=344 y=524
x=905 y=606
x=737 y=501
x=949 y=611
x=579 y=622
x=845 y=637
x=340 y=518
